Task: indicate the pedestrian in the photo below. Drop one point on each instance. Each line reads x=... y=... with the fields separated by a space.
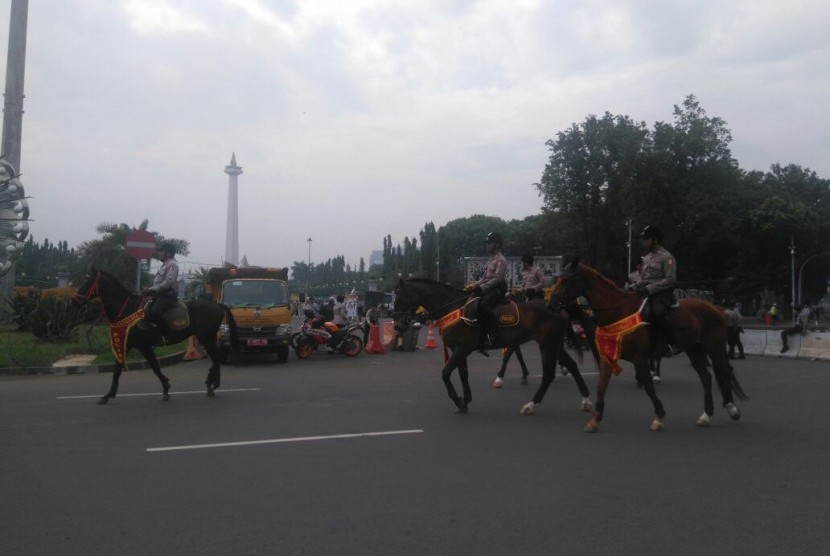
x=802 y=322
x=371 y=319
x=734 y=330
x=773 y=314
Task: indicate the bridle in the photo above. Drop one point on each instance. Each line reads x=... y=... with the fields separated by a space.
x=431 y=314
x=92 y=291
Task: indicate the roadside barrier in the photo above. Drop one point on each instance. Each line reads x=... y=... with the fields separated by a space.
x=754 y=341
x=374 y=346
x=430 y=338
x=774 y=344
x=194 y=350
x=389 y=337
x=815 y=345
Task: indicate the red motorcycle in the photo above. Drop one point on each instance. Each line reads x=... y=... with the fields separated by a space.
x=316 y=334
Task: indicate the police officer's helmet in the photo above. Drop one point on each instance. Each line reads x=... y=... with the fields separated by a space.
x=494 y=237
x=168 y=248
x=527 y=258
x=652 y=232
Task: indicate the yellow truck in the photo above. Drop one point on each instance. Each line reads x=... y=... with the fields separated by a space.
x=258 y=298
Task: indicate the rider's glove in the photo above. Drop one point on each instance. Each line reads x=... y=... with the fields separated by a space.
x=477 y=291
x=640 y=290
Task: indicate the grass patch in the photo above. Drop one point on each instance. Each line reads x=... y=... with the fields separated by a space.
x=21 y=349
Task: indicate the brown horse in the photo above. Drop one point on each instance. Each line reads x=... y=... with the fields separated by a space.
x=699 y=330
x=530 y=321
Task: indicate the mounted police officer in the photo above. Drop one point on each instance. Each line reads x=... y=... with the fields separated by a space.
x=533 y=280
x=655 y=280
x=491 y=287
x=165 y=289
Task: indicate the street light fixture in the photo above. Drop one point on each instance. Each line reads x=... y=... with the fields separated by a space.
x=308 y=269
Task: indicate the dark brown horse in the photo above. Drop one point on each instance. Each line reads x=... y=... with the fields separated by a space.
x=532 y=321
x=119 y=304
x=699 y=330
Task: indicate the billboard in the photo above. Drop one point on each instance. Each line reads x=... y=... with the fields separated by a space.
x=551 y=268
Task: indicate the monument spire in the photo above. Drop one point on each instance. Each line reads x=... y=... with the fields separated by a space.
x=232 y=233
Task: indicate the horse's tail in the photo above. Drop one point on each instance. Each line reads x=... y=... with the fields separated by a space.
x=232 y=327
x=736 y=386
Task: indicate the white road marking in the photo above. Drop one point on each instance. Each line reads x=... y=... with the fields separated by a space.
x=282 y=440
x=222 y=390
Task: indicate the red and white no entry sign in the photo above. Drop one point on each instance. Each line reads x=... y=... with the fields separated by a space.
x=141 y=244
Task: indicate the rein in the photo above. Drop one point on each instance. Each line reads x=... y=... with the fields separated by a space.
x=430 y=313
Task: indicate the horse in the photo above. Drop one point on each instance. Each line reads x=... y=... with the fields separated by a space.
x=699 y=331
x=120 y=305
x=531 y=321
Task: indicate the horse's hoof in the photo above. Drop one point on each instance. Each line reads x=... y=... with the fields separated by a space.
x=590 y=427
x=656 y=425
x=656 y=379
x=703 y=420
x=165 y=397
x=210 y=393
x=523 y=382
x=733 y=411
x=528 y=408
x=498 y=383
x=461 y=410
x=586 y=405
x=104 y=400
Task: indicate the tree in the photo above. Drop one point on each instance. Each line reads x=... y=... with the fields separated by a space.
x=109 y=251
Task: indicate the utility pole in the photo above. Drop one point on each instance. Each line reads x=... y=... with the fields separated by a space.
x=13 y=103
x=792 y=265
x=629 y=245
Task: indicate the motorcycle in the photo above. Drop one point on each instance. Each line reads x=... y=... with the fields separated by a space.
x=328 y=336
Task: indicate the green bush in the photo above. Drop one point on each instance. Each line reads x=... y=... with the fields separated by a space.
x=50 y=319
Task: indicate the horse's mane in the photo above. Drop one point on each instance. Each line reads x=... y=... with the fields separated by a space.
x=122 y=289
x=599 y=277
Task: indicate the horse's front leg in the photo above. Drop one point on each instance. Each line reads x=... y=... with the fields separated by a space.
x=567 y=361
x=446 y=375
x=116 y=375
x=599 y=407
x=150 y=356
x=497 y=383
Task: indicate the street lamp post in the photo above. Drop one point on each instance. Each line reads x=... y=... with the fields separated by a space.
x=792 y=272
x=801 y=277
x=308 y=269
x=629 y=245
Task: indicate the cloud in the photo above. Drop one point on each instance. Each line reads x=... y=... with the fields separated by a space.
x=361 y=118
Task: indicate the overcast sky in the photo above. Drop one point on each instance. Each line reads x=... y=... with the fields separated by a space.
x=353 y=119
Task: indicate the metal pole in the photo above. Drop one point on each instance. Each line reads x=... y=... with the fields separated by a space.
x=138 y=275
x=801 y=276
x=308 y=271
x=13 y=104
x=629 y=245
x=792 y=264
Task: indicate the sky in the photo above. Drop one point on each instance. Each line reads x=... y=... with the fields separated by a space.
x=357 y=119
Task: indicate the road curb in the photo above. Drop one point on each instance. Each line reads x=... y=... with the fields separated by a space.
x=165 y=361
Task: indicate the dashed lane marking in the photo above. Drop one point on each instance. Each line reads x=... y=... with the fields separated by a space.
x=282 y=440
x=190 y=392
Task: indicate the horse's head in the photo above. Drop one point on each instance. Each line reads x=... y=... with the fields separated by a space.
x=405 y=305
x=90 y=289
x=568 y=286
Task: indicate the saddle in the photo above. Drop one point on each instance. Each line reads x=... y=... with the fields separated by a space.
x=507 y=313
x=174 y=319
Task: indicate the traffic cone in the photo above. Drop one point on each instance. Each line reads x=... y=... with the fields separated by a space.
x=374 y=346
x=430 y=338
x=194 y=351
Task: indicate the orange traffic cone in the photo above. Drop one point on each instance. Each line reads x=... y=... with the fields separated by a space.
x=194 y=351
x=430 y=338
x=374 y=346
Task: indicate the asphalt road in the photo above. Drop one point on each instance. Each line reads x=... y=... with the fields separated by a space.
x=285 y=460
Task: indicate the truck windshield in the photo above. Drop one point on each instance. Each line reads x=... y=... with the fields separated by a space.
x=254 y=293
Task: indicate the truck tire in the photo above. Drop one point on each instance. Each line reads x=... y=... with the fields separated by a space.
x=282 y=354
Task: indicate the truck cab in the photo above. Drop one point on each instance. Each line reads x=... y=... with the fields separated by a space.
x=258 y=298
